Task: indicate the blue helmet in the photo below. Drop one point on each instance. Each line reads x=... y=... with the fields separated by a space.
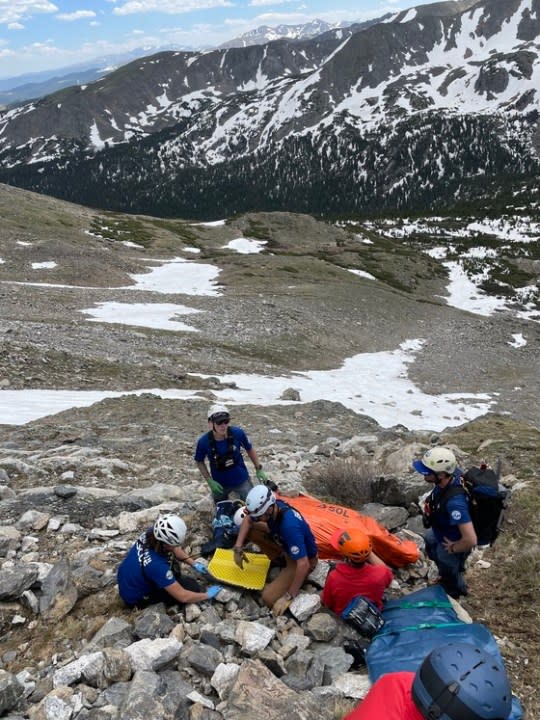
x=460 y=681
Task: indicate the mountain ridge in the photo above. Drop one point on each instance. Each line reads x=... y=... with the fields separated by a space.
x=460 y=88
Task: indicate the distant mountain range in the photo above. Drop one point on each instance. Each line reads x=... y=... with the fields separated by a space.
x=422 y=109
x=265 y=34
x=32 y=86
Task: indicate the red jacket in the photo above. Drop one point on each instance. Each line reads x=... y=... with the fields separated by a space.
x=389 y=699
x=346 y=581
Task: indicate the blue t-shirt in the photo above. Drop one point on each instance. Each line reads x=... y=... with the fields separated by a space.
x=238 y=473
x=455 y=511
x=133 y=584
x=293 y=533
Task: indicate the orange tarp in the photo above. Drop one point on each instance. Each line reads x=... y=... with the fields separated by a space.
x=324 y=518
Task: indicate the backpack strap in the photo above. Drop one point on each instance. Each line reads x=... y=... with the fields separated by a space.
x=449 y=492
x=281 y=514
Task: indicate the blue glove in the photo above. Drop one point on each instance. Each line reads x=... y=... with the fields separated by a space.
x=200 y=568
x=213 y=590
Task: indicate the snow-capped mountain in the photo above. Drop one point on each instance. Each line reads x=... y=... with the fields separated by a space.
x=429 y=105
x=265 y=33
x=32 y=86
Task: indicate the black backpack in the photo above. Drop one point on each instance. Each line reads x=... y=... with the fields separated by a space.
x=487 y=499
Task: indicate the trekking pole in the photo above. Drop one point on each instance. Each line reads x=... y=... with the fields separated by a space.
x=500 y=521
x=498 y=468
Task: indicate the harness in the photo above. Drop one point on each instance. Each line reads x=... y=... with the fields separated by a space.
x=226 y=461
x=434 y=505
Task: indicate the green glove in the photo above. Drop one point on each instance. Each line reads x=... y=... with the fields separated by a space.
x=261 y=475
x=214 y=486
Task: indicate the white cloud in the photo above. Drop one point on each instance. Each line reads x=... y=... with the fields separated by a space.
x=168 y=7
x=42 y=48
x=77 y=15
x=15 y=10
x=258 y=3
x=15 y=26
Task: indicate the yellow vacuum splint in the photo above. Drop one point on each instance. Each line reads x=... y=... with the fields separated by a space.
x=253 y=575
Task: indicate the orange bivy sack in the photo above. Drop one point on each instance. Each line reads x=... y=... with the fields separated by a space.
x=324 y=518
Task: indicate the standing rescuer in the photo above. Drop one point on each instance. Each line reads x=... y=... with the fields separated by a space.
x=222 y=446
x=451 y=535
x=281 y=532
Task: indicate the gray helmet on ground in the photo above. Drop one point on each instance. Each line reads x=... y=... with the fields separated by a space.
x=461 y=680
x=170 y=529
x=259 y=500
x=217 y=409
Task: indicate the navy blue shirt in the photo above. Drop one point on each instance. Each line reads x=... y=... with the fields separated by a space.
x=238 y=473
x=292 y=532
x=134 y=584
x=454 y=512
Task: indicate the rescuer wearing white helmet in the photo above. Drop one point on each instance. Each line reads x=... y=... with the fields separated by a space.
x=281 y=532
x=451 y=535
x=146 y=575
x=222 y=446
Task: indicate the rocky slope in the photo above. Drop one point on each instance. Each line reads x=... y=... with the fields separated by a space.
x=76 y=487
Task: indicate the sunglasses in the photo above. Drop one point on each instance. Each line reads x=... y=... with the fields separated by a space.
x=221 y=421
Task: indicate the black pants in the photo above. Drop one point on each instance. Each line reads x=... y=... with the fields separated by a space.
x=159 y=595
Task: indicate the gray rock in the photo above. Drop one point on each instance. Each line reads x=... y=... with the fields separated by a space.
x=116 y=632
x=65 y=491
x=15 y=580
x=153 y=622
x=391 y=517
x=203 y=658
x=11 y=691
x=322 y=627
x=304 y=671
x=153 y=654
x=59 y=592
x=143 y=699
x=258 y=693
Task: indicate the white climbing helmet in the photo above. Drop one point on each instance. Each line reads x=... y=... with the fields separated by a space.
x=239 y=515
x=259 y=500
x=170 y=529
x=217 y=409
x=437 y=459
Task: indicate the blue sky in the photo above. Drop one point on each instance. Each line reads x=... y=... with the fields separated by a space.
x=44 y=34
